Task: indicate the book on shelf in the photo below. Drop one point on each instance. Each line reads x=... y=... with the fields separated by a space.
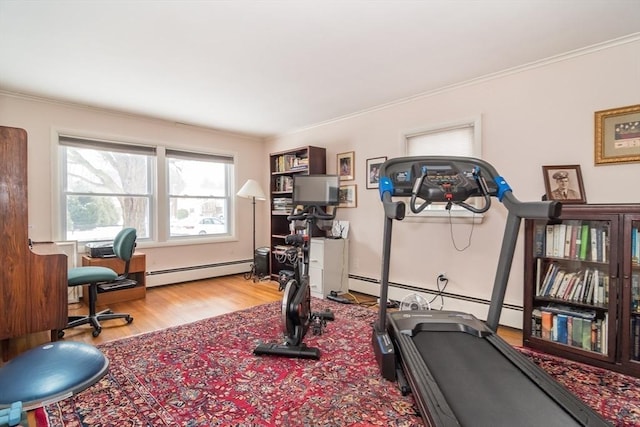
x=536 y=323
x=571 y=326
x=561 y=328
x=635 y=292
x=546 y=324
x=290 y=162
x=635 y=246
x=538 y=240
x=584 y=239
x=548 y=248
x=635 y=338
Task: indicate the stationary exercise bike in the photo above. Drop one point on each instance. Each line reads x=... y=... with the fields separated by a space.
x=311 y=192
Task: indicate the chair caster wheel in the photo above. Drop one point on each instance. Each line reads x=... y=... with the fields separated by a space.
x=96 y=332
x=129 y=319
x=60 y=334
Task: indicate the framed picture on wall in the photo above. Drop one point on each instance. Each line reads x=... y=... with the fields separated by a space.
x=617 y=138
x=373 y=171
x=347 y=196
x=564 y=183
x=346 y=166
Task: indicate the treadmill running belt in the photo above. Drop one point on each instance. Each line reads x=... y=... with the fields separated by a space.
x=482 y=386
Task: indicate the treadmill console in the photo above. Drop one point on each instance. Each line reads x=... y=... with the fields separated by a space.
x=440 y=179
x=444 y=179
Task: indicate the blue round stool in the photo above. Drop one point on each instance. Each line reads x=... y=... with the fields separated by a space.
x=50 y=372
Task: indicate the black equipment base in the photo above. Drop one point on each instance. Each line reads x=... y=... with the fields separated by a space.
x=299 y=351
x=500 y=388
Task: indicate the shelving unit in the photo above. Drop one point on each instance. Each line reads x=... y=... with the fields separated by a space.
x=582 y=286
x=284 y=165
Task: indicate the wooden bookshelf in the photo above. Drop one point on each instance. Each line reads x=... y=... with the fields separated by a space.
x=582 y=286
x=283 y=166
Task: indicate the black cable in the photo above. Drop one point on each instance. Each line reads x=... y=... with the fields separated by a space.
x=440 y=291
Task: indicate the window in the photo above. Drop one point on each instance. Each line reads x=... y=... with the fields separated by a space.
x=457 y=139
x=105 y=186
x=109 y=185
x=198 y=193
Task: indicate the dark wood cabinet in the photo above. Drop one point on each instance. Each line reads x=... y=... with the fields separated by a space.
x=284 y=165
x=33 y=281
x=582 y=286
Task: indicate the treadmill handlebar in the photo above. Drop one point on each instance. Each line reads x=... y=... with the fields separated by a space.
x=452 y=180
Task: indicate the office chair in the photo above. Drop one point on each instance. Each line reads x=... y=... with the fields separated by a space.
x=124 y=245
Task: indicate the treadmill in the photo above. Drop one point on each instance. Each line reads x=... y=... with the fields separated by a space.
x=461 y=373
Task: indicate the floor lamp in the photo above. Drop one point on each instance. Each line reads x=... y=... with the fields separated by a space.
x=252 y=190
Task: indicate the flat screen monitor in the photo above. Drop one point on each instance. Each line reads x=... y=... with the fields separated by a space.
x=318 y=190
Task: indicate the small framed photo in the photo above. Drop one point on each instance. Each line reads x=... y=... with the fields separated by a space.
x=617 y=135
x=373 y=171
x=564 y=183
x=347 y=196
x=346 y=166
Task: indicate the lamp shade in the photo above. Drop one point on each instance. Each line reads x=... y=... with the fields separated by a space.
x=251 y=189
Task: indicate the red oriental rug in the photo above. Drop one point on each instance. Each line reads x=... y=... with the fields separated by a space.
x=205 y=373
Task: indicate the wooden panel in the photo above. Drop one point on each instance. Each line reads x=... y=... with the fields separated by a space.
x=48 y=296
x=33 y=284
x=13 y=230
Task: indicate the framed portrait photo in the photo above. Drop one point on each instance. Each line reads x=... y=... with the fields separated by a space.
x=617 y=135
x=564 y=183
x=347 y=196
x=346 y=166
x=373 y=171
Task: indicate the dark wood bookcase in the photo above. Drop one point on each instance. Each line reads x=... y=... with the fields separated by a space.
x=284 y=165
x=582 y=286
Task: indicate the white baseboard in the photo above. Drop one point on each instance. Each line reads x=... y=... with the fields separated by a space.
x=167 y=277
x=509 y=317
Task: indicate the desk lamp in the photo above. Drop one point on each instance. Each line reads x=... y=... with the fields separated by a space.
x=252 y=190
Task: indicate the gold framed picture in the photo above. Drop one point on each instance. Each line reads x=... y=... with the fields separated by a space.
x=346 y=166
x=348 y=196
x=564 y=183
x=617 y=135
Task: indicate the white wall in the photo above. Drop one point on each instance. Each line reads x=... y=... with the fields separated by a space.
x=42 y=118
x=542 y=115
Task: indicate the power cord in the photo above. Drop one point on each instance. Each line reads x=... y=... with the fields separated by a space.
x=440 y=279
x=453 y=239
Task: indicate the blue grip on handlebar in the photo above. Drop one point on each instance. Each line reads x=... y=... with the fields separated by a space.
x=385 y=184
x=503 y=187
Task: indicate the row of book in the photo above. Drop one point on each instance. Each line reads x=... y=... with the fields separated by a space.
x=587 y=286
x=635 y=338
x=575 y=328
x=282 y=204
x=283 y=183
x=580 y=240
x=290 y=162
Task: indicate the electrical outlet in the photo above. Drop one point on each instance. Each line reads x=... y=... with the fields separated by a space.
x=442 y=276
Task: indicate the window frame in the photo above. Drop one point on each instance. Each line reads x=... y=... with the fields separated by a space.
x=228 y=197
x=159 y=221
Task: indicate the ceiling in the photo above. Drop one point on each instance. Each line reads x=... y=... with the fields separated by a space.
x=269 y=67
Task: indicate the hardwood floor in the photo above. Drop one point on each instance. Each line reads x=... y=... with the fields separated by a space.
x=172 y=305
